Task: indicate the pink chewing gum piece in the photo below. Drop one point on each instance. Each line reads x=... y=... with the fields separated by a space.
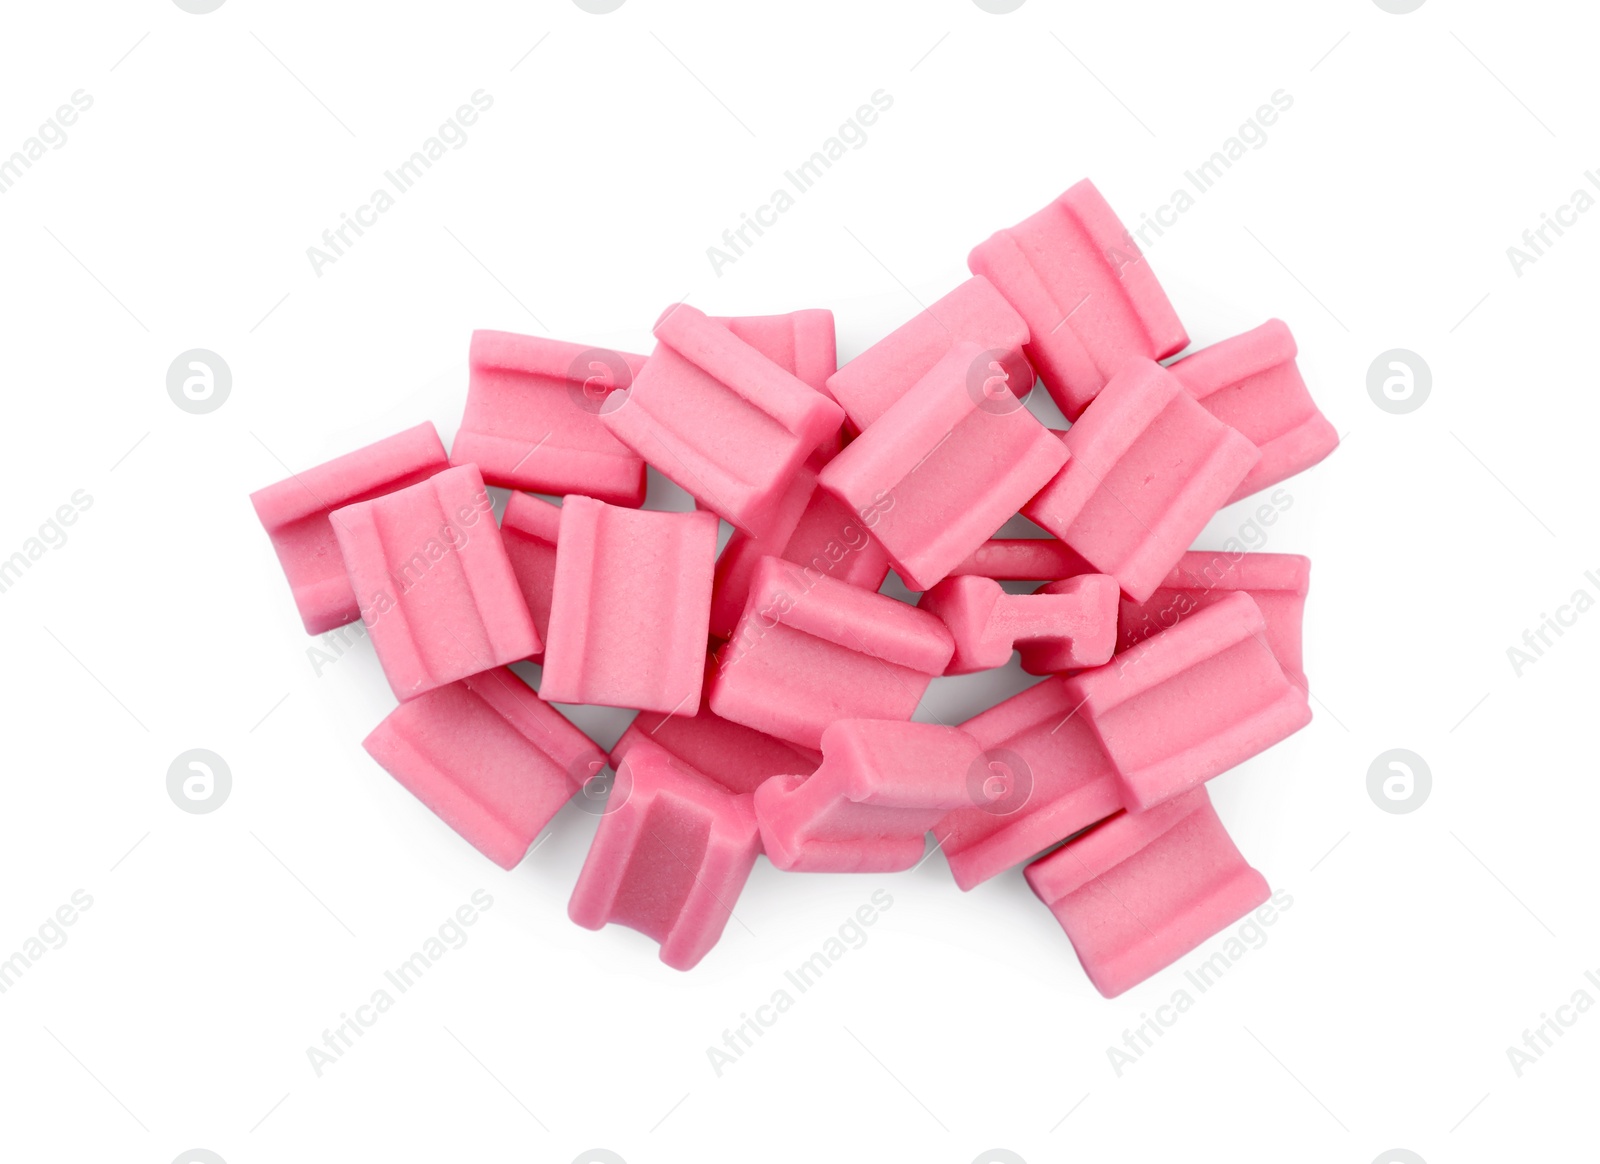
x=671 y=855
x=1279 y=584
x=436 y=588
x=1083 y=647
x=881 y=786
x=628 y=609
x=489 y=757
x=1190 y=702
x=736 y=757
x=945 y=466
x=533 y=418
x=1251 y=383
x=974 y=312
x=529 y=528
x=1023 y=559
x=801 y=343
x=1047 y=778
x=1138 y=892
x=810 y=649
x=1062 y=626
x=1149 y=467
x=810 y=527
x=720 y=419
x=295 y=515
x=1090 y=300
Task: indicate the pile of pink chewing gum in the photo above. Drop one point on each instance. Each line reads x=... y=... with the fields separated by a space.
x=775 y=685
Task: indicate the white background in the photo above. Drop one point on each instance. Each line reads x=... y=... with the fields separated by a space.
x=219 y=947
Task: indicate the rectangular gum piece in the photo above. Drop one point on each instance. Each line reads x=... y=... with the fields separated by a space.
x=1190 y=702
x=529 y=528
x=867 y=809
x=811 y=528
x=946 y=465
x=533 y=418
x=802 y=342
x=734 y=756
x=1138 y=892
x=810 y=649
x=629 y=605
x=720 y=419
x=435 y=586
x=489 y=757
x=1065 y=625
x=1251 y=383
x=295 y=513
x=1048 y=778
x=1279 y=584
x=1024 y=560
x=671 y=855
x=1149 y=468
x=974 y=311
x=1091 y=302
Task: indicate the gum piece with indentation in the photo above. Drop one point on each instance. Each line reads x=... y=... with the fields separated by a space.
x=1149 y=468
x=974 y=312
x=1138 y=892
x=628 y=608
x=810 y=649
x=803 y=344
x=1190 y=702
x=811 y=528
x=1023 y=560
x=1046 y=777
x=533 y=418
x=1066 y=625
x=1088 y=296
x=1252 y=383
x=295 y=513
x=436 y=589
x=737 y=757
x=1277 y=582
x=489 y=757
x=720 y=419
x=867 y=809
x=529 y=527
x=669 y=859
x=945 y=466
